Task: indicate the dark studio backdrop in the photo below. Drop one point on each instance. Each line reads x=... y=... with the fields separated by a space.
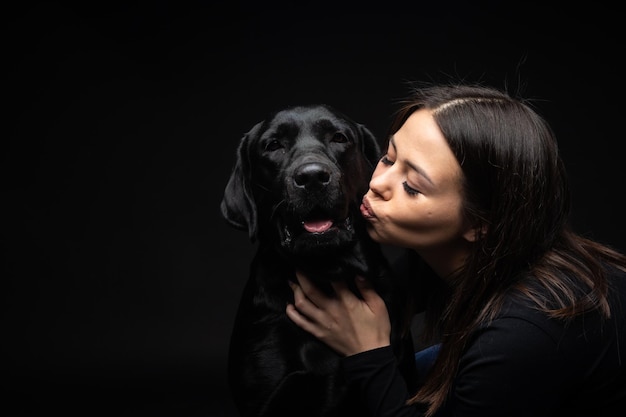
x=120 y=279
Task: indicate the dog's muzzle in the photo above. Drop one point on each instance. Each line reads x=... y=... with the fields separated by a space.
x=317 y=217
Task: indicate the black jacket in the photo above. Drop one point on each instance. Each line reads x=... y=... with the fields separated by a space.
x=522 y=364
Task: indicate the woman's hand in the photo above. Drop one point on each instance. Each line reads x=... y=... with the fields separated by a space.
x=344 y=322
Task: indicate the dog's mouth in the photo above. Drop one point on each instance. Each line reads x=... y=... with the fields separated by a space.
x=317 y=233
x=320 y=221
x=317 y=226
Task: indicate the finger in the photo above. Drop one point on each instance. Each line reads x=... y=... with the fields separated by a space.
x=305 y=314
x=304 y=305
x=369 y=294
x=363 y=284
x=310 y=290
x=342 y=291
x=301 y=320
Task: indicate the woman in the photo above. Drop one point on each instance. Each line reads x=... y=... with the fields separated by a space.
x=529 y=316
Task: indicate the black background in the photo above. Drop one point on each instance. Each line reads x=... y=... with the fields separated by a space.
x=120 y=280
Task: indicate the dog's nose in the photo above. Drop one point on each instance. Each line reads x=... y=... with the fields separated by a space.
x=312 y=176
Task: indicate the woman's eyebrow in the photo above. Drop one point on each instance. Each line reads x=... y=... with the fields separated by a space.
x=411 y=165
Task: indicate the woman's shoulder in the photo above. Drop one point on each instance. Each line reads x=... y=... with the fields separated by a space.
x=588 y=330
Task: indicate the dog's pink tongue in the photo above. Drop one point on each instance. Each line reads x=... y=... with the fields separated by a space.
x=317 y=226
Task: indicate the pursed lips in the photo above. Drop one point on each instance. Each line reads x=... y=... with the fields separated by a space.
x=366 y=209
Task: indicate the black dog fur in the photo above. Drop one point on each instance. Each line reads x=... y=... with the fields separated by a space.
x=297 y=170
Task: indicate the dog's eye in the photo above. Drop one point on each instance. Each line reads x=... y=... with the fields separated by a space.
x=339 y=137
x=273 y=145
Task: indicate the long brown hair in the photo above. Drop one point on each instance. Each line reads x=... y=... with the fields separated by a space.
x=515 y=190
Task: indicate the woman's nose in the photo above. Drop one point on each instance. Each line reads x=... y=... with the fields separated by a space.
x=379 y=184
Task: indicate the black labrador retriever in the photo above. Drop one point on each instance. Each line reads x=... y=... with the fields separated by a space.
x=296 y=188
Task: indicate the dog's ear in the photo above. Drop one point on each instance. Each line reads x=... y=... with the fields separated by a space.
x=238 y=205
x=370 y=145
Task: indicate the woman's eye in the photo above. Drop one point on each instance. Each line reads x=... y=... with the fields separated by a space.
x=386 y=161
x=409 y=190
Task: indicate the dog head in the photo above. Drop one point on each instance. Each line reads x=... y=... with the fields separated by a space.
x=299 y=178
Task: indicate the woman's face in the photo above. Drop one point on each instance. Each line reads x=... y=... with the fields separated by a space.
x=415 y=199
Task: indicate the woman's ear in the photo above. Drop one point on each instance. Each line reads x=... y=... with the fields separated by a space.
x=472 y=234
